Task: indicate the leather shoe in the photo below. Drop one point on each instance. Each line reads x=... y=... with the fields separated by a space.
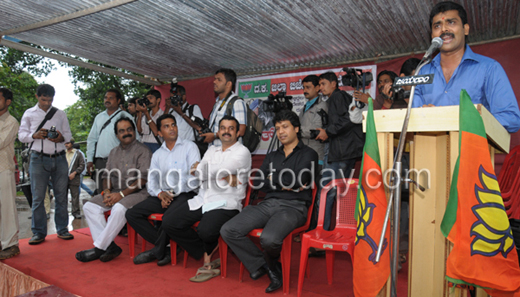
x=144 y=257
x=112 y=252
x=89 y=255
x=165 y=260
x=65 y=235
x=276 y=278
x=36 y=239
x=259 y=273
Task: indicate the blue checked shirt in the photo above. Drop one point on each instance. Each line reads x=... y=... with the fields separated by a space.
x=218 y=112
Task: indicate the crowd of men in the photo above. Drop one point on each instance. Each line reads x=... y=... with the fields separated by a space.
x=148 y=161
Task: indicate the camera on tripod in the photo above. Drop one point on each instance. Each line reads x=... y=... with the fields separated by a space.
x=278 y=102
x=204 y=128
x=175 y=99
x=324 y=124
x=357 y=79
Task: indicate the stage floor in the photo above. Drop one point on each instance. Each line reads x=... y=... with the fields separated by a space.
x=54 y=262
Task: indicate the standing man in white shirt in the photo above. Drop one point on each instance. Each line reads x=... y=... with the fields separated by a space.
x=168 y=187
x=47 y=129
x=223 y=174
x=101 y=140
x=183 y=113
x=8 y=214
x=223 y=85
x=146 y=120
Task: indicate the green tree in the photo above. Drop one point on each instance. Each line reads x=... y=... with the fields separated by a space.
x=16 y=73
x=91 y=86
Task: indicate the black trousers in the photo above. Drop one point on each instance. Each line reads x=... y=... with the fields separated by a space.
x=278 y=217
x=178 y=226
x=137 y=216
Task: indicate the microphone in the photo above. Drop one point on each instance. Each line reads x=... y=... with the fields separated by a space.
x=436 y=44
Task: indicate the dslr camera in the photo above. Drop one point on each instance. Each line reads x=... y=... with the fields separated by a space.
x=204 y=128
x=399 y=93
x=143 y=101
x=278 y=102
x=175 y=98
x=52 y=134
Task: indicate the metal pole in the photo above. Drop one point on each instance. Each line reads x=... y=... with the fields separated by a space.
x=395 y=242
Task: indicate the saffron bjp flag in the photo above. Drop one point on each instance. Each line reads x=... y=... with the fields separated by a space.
x=369 y=276
x=475 y=221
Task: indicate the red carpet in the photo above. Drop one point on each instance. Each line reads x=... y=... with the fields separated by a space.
x=54 y=262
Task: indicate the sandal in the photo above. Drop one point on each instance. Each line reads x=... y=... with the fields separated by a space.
x=213 y=265
x=204 y=274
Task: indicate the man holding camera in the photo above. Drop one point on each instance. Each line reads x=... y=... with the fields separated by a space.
x=146 y=119
x=179 y=107
x=47 y=129
x=101 y=140
x=223 y=85
x=346 y=138
x=312 y=115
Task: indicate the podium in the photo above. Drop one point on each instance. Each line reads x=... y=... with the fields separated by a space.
x=433 y=142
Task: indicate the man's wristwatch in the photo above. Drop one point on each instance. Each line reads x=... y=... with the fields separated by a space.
x=149 y=121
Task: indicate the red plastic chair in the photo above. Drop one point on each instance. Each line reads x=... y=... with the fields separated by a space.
x=223 y=247
x=341 y=238
x=131 y=235
x=285 y=254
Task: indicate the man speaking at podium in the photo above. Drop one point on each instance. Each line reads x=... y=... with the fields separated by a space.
x=458 y=67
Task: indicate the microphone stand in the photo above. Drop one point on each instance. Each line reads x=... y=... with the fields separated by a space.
x=395 y=185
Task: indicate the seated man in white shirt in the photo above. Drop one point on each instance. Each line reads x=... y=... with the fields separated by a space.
x=168 y=188
x=223 y=174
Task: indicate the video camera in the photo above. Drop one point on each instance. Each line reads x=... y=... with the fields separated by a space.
x=204 y=127
x=357 y=79
x=278 y=102
x=175 y=98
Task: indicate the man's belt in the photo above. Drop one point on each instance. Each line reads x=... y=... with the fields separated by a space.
x=48 y=155
x=104 y=159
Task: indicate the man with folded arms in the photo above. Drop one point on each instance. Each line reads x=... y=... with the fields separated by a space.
x=124 y=180
x=168 y=188
x=286 y=176
x=223 y=174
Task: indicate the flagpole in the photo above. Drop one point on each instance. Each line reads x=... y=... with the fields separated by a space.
x=395 y=185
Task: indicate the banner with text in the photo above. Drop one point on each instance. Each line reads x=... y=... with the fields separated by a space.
x=255 y=91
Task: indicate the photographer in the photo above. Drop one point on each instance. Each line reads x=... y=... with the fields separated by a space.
x=47 y=129
x=385 y=99
x=146 y=121
x=311 y=115
x=223 y=86
x=178 y=106
x=132 y=107
x=346 y=138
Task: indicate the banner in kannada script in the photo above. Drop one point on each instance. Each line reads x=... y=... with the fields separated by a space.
x=255 y=90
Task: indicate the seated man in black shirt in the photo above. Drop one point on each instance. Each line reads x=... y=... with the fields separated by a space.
x=286 y=176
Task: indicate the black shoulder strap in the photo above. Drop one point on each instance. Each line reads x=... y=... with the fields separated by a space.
x=108 y=121
x=48 y=116
x=229 y=107
x=190 y=110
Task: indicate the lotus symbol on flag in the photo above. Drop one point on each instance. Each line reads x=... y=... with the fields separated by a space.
x=366 y=211
x=246 y=88
x=492 y=230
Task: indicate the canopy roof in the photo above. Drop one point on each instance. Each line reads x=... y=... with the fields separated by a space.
x=193 y=38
